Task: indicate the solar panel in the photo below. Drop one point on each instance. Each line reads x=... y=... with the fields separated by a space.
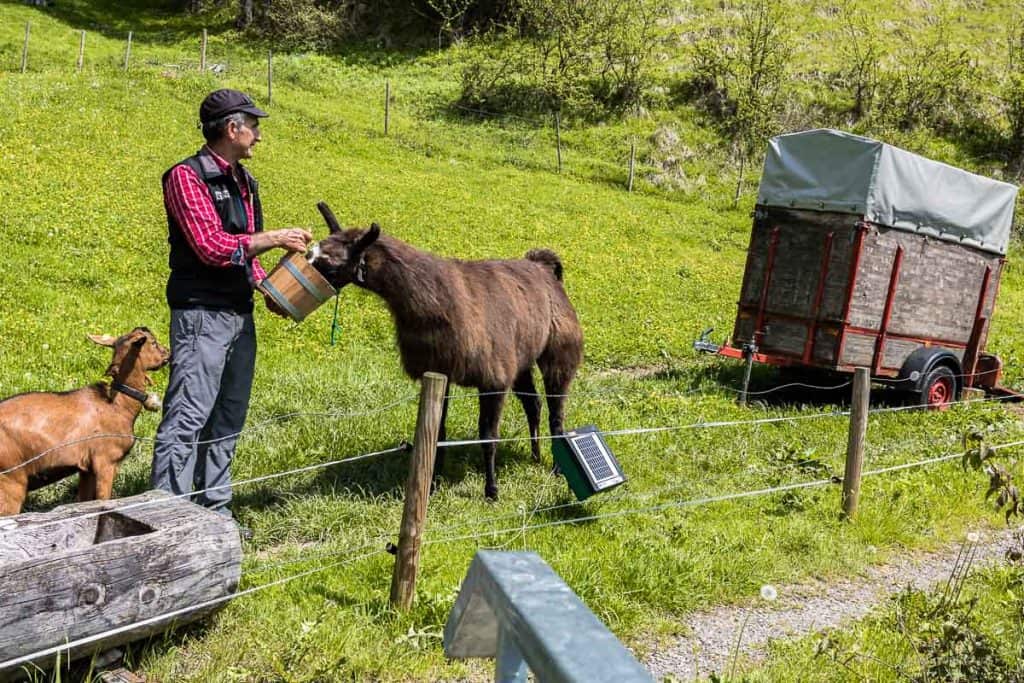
x=594 y=458
x=586 y=461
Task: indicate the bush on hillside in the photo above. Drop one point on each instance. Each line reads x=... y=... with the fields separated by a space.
x=925 y=84
x=1011 y=93
x=741 y=79
x=319 y=23
x=582 y=59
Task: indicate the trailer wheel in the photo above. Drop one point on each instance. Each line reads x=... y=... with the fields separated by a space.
x=939 y=388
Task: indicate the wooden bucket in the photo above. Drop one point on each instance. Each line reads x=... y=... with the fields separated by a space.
x=296 y=286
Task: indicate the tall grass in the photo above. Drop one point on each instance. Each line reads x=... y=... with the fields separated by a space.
x=85 y=251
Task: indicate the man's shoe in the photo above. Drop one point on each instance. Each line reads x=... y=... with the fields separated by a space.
x=244 y=532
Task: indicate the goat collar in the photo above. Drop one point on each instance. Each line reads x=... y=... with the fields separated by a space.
x=147 y=400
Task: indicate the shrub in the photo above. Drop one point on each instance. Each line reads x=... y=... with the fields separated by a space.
x=580 y=58
x=1011 y=93
x=744 y=78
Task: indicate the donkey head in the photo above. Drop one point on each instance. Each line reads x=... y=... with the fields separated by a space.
x=340 y=257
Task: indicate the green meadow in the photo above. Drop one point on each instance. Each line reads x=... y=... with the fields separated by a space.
x=84 y=236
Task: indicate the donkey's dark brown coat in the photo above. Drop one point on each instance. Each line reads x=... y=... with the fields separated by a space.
x=484 y=324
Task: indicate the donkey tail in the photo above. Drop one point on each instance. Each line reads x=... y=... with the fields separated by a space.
x=547 y=258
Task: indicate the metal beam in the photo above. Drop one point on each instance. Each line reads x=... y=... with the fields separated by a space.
x=515 y=604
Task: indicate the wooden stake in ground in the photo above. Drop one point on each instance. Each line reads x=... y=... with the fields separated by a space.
x=128 y=51
x=558 y=139
x=202 y=53
x=632 y=163
x=81 y=51
x=417 y=490
x=387 y=106
x=270 y=76
x=24 y=49
x=855 y=444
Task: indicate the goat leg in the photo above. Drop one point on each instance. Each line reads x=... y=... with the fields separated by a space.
x=12 y=494
x=105 y=481
x=86 y=486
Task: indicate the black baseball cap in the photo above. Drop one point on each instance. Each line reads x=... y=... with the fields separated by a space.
x=226 y=101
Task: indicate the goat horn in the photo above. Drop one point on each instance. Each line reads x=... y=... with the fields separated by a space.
x=332 y=222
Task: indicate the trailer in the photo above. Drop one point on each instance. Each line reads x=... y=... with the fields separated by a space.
x=865 y=255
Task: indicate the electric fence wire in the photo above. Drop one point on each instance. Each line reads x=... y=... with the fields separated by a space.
x=26 y=659
x=623 y=493
x=257 y=427
x=621 y=432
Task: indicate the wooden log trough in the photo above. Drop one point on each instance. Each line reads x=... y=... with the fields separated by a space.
x=105 y=566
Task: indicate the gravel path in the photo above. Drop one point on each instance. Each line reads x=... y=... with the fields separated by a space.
x=805 y=608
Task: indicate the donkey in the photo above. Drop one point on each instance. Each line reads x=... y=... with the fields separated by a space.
x=484 y=324
x=35 y=426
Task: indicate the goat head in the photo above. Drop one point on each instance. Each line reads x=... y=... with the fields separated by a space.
x=135 y=352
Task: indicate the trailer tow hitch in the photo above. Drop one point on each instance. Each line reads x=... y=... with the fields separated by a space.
x=705 y=344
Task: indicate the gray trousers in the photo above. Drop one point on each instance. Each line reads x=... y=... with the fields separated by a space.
x=213 y=357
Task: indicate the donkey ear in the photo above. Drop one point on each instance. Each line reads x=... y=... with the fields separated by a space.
x=102 y=339
x=368 y=238
x=332 y=222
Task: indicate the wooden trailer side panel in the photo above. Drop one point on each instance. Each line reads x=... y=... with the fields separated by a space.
x=797 y=287
x=937 y=291
x=810 y=266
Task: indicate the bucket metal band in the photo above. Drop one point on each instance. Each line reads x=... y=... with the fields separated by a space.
x=304 y=281
x=282 y=301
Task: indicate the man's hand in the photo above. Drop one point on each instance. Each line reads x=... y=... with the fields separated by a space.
x=292 y=239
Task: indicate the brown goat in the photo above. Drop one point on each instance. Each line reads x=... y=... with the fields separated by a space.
x=482 y=323
x=34 y=426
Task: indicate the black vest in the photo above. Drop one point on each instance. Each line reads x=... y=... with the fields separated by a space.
x=192 y=283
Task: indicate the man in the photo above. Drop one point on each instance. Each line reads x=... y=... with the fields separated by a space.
x=215 y=230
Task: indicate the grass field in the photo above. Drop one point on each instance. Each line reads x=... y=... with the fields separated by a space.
x=85 y=243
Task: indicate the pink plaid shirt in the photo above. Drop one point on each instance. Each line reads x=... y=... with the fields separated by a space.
x=188 y=200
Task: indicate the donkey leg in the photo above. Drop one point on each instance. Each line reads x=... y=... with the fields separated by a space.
x=442 y=435
x=556 y=389
x=527 y=394
x=490 y=416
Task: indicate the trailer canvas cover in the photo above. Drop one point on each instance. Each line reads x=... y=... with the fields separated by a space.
x=829 y=170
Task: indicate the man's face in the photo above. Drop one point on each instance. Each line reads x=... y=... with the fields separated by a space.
x=245 y=135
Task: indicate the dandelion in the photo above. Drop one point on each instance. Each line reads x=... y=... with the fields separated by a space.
x=973 y=537
x=768 y=592
x=871 y=549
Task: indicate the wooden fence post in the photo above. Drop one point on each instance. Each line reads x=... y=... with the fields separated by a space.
x=81 y=51
x=24 y=49
x=632 y=164
x=558 y=139
x=128 y=51
x=270 y=76
x=417 y=490
x=387 y=106
x=202 y=53
x=855 y=444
